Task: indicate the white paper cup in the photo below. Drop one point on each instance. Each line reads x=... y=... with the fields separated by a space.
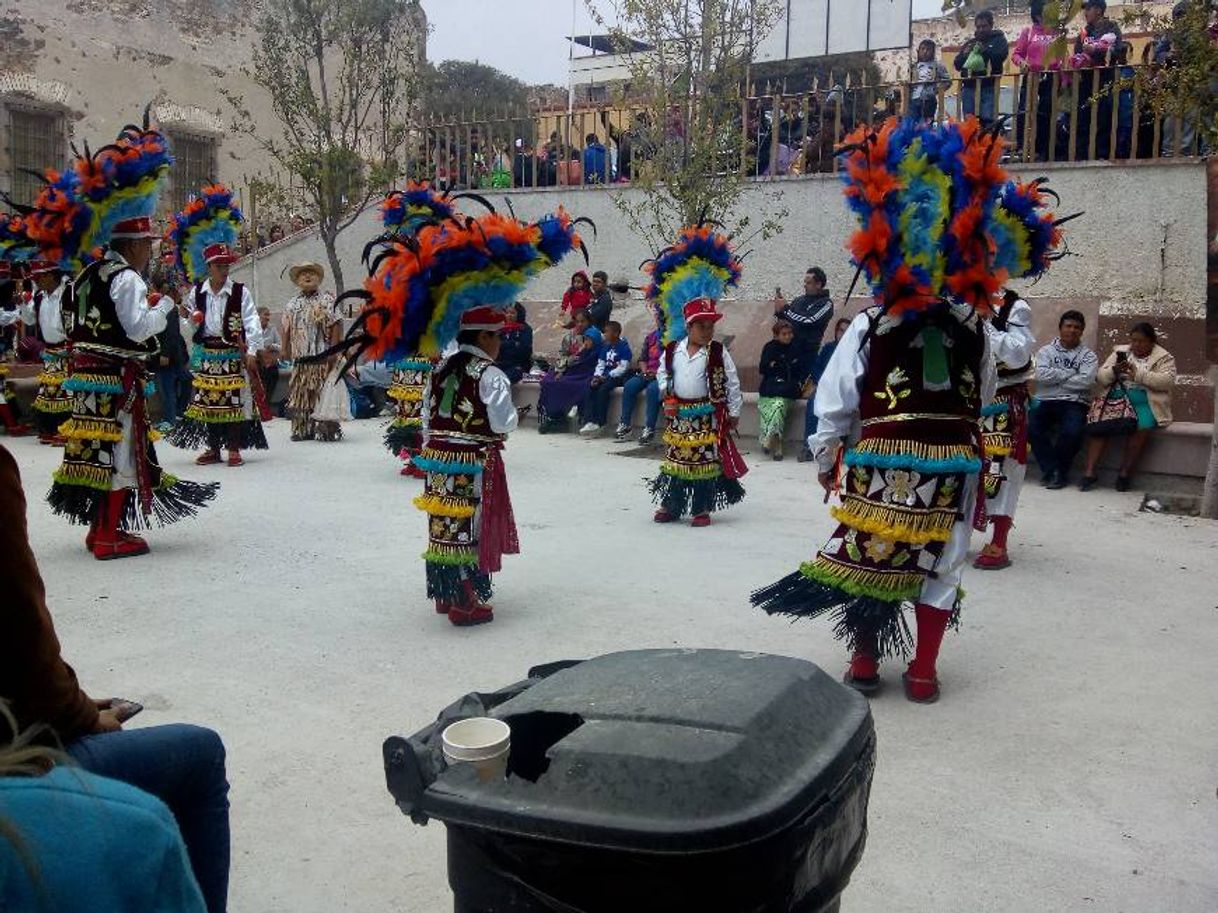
x=481 y=741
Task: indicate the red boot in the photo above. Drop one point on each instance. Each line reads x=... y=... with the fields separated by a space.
x=471 y=610
x=110 y=542
x=9 y=418
x=921 y=681
x=700 y=520
x=664 y=516
x=91 y=535
x=864 y=672
x=994 y=556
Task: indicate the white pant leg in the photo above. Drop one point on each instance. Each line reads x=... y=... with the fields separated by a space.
x=940 y=591
x=1008 y=495
x=247 y=395
x=124 y=456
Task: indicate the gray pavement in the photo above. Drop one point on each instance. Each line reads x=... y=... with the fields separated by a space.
x=1069 y=766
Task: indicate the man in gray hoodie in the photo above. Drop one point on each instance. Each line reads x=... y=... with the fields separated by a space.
x=1065 y=372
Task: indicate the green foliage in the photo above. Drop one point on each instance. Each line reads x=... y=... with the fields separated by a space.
x=687 y=95
x=342 y=79
x=462 y=88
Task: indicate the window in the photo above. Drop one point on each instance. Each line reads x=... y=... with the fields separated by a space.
x=194 y=165
x=35 y=142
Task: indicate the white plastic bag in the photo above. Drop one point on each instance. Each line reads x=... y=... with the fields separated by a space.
x=334 y=404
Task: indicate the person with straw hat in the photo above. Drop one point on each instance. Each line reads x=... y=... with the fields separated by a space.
x=311 y=325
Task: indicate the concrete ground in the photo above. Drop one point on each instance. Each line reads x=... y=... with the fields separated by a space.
x=1069 y=766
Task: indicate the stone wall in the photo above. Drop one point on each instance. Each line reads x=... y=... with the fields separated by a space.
x=1138 y=252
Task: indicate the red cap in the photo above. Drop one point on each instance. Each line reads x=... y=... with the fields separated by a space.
x=219 y=253
x=700 y=309
x=38 y=267
x=133 y=229
x=483 y=318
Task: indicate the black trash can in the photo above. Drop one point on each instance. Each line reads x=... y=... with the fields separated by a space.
x=654 y=780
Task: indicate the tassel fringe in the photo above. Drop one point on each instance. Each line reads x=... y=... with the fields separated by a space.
x=681 y=496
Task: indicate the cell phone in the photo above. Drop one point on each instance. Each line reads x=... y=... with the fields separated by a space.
x=124 y=709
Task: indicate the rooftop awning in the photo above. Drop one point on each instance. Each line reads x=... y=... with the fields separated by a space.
x=609 y=44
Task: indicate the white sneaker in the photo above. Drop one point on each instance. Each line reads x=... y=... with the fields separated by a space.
x=590 y=428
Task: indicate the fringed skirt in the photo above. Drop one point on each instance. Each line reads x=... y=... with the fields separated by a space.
x=691 y=478
x=470 y=525
x=221 y=411
x=900 y=502
x=109 y=447
x=405 y=431
x=303 y=393
x=1004 y=432
x=53 y=404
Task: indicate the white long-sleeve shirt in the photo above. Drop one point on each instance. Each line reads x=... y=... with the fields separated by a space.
x=689 y=379
x=50 y=315
x=217 y=302
x=840 y=390
x=23 y=313
x=1014 y=346
x=129 y=293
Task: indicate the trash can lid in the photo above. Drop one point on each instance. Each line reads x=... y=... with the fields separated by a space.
x=665 y=750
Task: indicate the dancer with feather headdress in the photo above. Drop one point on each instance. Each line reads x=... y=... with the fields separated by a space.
x=222 y=411
x=914 y=371
x=16 y=251
x=697 y=379
x=453 y=282
x=99 y=214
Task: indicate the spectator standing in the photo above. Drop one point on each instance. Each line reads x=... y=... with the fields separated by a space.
x=601 y=307
x=311 y=325
x=1065 y=372
x=781 y=379
x=980 y=63
x=612 y=371
x=276 y=234
x=578 y=295
x=516 y=345
x=596 y=161
x=929 y=75
x=1029 y=55
x=1145 y=373
x=811 y=422
x=173 y=361
x=643 y=381
x=268 y=361
x=1095 y=47
x=809 y=315
x=181 y=765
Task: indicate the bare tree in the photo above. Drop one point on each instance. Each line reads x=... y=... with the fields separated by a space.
x=343 y=79
x=687 y=92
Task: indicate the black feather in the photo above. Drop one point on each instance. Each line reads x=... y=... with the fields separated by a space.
x=477 y=198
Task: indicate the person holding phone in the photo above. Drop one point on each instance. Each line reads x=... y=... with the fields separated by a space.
x=809 y=315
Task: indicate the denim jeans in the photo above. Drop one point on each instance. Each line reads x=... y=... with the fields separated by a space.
x=977 y=97
x=167 y=380
x=183 y=766
x=1055 y=431
x=596 y=404
x=630 y=392
x=811 y=423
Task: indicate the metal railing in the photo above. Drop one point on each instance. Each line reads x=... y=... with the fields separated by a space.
x=1093 y=114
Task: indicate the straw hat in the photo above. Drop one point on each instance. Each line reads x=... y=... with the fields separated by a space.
x=299 y=268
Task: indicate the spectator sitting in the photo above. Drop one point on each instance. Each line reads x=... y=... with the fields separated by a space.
x=179 y=764
x=276 y=234
x=596 y=161
x=1065 y=371
x=983 y=57
x=643 y=381
x=65 y=828
x=578 y=295
x=572 y=342
x=601 y=308
x=612 y=371
x=368 y=386
x=268 y=362
x=1146 y=373
x=561 y=392
x=515 y=345
x=811 y=422
x=929 y=74
x=781 y=378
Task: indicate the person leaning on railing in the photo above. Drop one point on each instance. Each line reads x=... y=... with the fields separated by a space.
x=980 y=63
x=1029 y=54
x=1094 y=59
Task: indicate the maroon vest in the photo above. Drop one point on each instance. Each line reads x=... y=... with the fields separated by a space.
x=455 y=408
x=232 y=327
x=900 y=391
x=716 y=374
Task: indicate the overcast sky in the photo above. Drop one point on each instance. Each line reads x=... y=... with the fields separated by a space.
x=526 y=38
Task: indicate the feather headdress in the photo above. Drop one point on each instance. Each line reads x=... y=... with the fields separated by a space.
x=701 y=264
x=16 y=246
x=61 y=220
x=938 y=219
x=210 y=218
x=404 y=212
x=419 y=287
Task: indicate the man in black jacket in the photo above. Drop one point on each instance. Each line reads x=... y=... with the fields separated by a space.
x=809 y=315
x=600 y=309
x=984 y=56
